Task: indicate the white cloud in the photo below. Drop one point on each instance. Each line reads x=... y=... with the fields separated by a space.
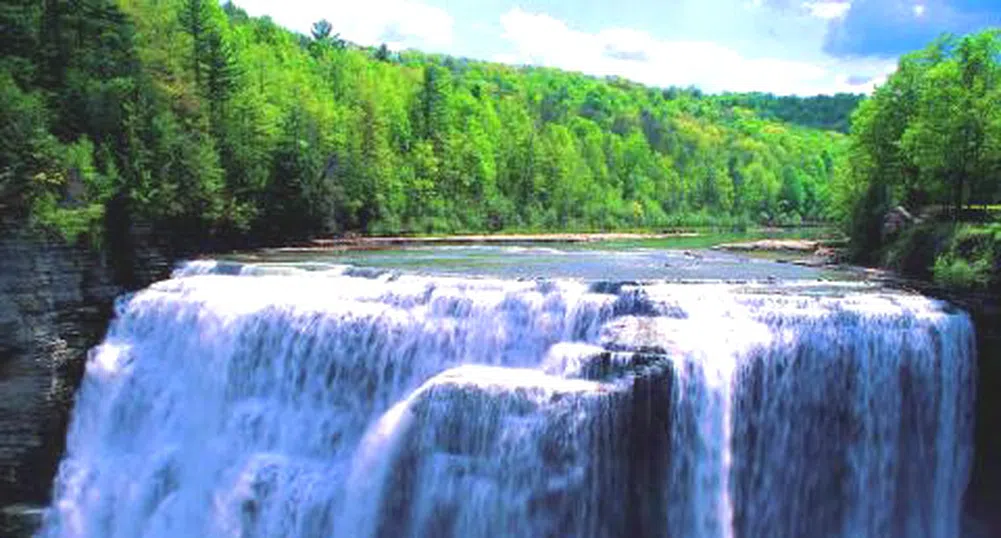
x=827 y=10
x=399 y=23
x=919 y=10
x=541 y=39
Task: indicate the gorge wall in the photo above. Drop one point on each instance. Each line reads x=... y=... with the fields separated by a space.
x=55 y=303
x=984 y=492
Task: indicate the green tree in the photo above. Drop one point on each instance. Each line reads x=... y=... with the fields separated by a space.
x=207 y=122
x=194 y=19
x=927 y=136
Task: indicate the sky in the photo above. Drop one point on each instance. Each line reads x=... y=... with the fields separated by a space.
x=801 y=47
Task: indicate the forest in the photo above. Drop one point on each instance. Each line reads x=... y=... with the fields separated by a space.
x=929 y=140
x=204 y=122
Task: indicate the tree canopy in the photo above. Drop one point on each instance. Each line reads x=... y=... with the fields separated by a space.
x=930 y=136
x=208 y=122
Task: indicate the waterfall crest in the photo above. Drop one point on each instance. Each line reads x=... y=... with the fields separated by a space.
x=260 y=401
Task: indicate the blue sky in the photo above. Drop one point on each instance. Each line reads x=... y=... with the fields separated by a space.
x=800 y=47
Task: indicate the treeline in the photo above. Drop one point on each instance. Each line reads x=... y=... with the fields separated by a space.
x=206 y=122
x=829 y=112
x=929 y=139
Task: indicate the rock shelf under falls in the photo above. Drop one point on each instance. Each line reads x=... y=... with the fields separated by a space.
x=255 y=401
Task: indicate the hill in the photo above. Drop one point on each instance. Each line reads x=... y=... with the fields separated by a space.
x=208 y=122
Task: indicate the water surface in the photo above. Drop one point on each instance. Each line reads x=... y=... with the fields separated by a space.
x=611 y=261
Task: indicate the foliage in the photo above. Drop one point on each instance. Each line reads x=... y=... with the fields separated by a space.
x=928 y=138
x=26 y=147
x=959 y=273
x=913 y=254
x=963 y=256
x=973 y=259
x=210 y=123
x=830 y=112
x=72 y=224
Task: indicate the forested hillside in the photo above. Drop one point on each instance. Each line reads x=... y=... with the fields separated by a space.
x=831 y=112
x=203 y=121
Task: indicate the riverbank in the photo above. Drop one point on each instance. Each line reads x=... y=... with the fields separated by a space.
x=956 y=256
x=380 y=242
x=686 y=238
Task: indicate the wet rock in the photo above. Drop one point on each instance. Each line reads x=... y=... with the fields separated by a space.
x=897 y=220
x=584 y=361
x=55 y=303
x=771 y=245
x=20 y=521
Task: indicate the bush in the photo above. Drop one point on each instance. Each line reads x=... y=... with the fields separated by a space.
x=72 y=224
x=954 y=272
x=27 y=150
x=972 y=259
x=915 y=252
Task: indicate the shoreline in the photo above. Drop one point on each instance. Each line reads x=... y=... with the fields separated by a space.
x=377 y=242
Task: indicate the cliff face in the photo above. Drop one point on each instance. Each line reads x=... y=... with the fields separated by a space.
x=55 y=301
x=984 y=492
x=55 y=304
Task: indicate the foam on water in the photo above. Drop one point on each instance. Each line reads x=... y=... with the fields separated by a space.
x=275 y=400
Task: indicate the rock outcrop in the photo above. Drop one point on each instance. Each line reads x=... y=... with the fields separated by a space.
x=55 y=303
x=897 y=220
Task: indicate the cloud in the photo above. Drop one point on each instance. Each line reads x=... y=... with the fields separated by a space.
x=827 y=10
x=398 y=23
x=859 y=80
x=887 y=28
x=540 y=39
x=615 y=53
x=627 y=45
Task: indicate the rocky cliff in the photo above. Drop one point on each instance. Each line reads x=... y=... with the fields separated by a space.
x=55 y=303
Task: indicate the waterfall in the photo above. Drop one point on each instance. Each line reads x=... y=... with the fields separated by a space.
x=300 y=401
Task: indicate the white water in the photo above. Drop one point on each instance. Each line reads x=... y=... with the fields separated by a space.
x=268 y=401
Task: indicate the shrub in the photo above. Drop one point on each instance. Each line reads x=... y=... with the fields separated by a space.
x=72 y=224
x=915 y=252
x=954 y=272
x=972 y=259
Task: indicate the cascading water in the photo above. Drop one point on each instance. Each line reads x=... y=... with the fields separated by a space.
x=264 y=401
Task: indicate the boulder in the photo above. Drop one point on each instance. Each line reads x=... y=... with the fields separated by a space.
x=896 y=221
